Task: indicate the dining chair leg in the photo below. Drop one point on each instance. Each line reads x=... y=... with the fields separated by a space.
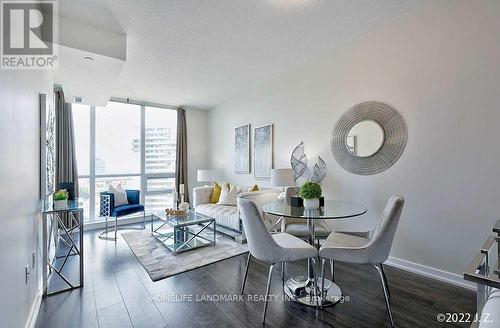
x=386 y=293
x=322 y=280
x=144 y=219
x=246 y=273
x=385 y=280
x=332 y=269
x=267 y=292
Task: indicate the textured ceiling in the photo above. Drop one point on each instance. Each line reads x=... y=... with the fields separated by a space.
x=200 y=52
x=91 y=12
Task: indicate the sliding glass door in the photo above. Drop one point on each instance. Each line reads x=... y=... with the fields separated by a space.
x=131 y=144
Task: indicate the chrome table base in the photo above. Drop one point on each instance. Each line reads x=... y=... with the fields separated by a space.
x=301 y=290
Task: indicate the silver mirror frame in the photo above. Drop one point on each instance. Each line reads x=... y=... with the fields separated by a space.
x=395 y=138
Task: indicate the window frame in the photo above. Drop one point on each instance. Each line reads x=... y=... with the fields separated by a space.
x=143 y=176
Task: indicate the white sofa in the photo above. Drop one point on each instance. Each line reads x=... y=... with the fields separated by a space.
x=228 y=217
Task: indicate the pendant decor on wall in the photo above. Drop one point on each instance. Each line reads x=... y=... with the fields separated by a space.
x=47 y=145
x=369 y=138
x=242 y=149
x=263 y=151
x=301 y=172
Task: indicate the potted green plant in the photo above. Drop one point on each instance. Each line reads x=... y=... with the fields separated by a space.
x=310 y=192
x=60 y=199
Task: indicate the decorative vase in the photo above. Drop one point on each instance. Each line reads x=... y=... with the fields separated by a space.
x=60 y=204
x=184 y=206
x=311 y=204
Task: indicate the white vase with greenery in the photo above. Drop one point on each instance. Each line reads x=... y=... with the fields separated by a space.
x=310 y=192
x=61 y=199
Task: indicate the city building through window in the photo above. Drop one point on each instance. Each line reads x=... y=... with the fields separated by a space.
x=131 y=144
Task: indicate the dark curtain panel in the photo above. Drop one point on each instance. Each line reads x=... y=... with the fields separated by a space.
x=181 y=172
x=66 y=170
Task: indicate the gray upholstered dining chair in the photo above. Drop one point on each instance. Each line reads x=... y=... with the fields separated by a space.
x=298 y=227
x=272 y=249
x=375 y=251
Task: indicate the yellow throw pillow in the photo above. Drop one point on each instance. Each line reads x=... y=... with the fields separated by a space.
x=215 y=194
x=254 y=188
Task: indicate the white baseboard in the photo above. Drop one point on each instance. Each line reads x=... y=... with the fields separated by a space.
x=35 y=309
x=441 y=275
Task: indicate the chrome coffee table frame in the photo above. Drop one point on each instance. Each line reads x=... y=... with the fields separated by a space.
x=301 y=288
x=188 y=232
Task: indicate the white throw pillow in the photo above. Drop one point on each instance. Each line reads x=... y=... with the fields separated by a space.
x=120 y=194
x=239 y=189
x=228 y=196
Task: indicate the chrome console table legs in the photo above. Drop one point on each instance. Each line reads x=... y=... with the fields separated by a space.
x=58 y=232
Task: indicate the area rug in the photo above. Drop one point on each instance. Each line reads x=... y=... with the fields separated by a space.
x=160 y=263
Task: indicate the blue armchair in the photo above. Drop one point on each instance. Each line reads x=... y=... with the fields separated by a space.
x=108 y=210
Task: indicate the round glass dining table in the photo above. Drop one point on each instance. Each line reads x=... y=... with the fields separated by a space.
x=301 y=288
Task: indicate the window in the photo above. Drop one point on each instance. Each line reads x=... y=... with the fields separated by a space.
x=81 y=122
x=117 y=139
x=133 y=144
x=81 y=125
x=160 y=133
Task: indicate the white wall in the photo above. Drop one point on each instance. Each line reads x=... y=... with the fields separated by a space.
x=19 y=193
x=197 y=145
x=439 y=67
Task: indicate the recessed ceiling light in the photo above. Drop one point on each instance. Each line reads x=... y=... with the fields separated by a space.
x=88 y=58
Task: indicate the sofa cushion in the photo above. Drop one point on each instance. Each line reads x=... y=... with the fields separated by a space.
x=120 y=195
x=228 y=195
x=242 y=189
x=215 y=193
x=253 y=188
x=127 y=209
x=226 y=216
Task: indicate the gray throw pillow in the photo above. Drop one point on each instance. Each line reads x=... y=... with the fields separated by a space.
x=120 y=195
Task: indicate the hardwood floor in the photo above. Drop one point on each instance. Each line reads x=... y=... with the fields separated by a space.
x=119 y=293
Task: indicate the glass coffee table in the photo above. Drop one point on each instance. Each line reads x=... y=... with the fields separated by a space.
x=184 y=233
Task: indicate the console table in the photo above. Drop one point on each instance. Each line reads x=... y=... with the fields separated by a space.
x=62 y=240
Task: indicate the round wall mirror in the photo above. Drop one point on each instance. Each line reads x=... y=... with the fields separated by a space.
x=365 y=138
x=369 y=138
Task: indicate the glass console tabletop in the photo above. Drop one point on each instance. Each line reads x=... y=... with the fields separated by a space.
x=48 y=205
